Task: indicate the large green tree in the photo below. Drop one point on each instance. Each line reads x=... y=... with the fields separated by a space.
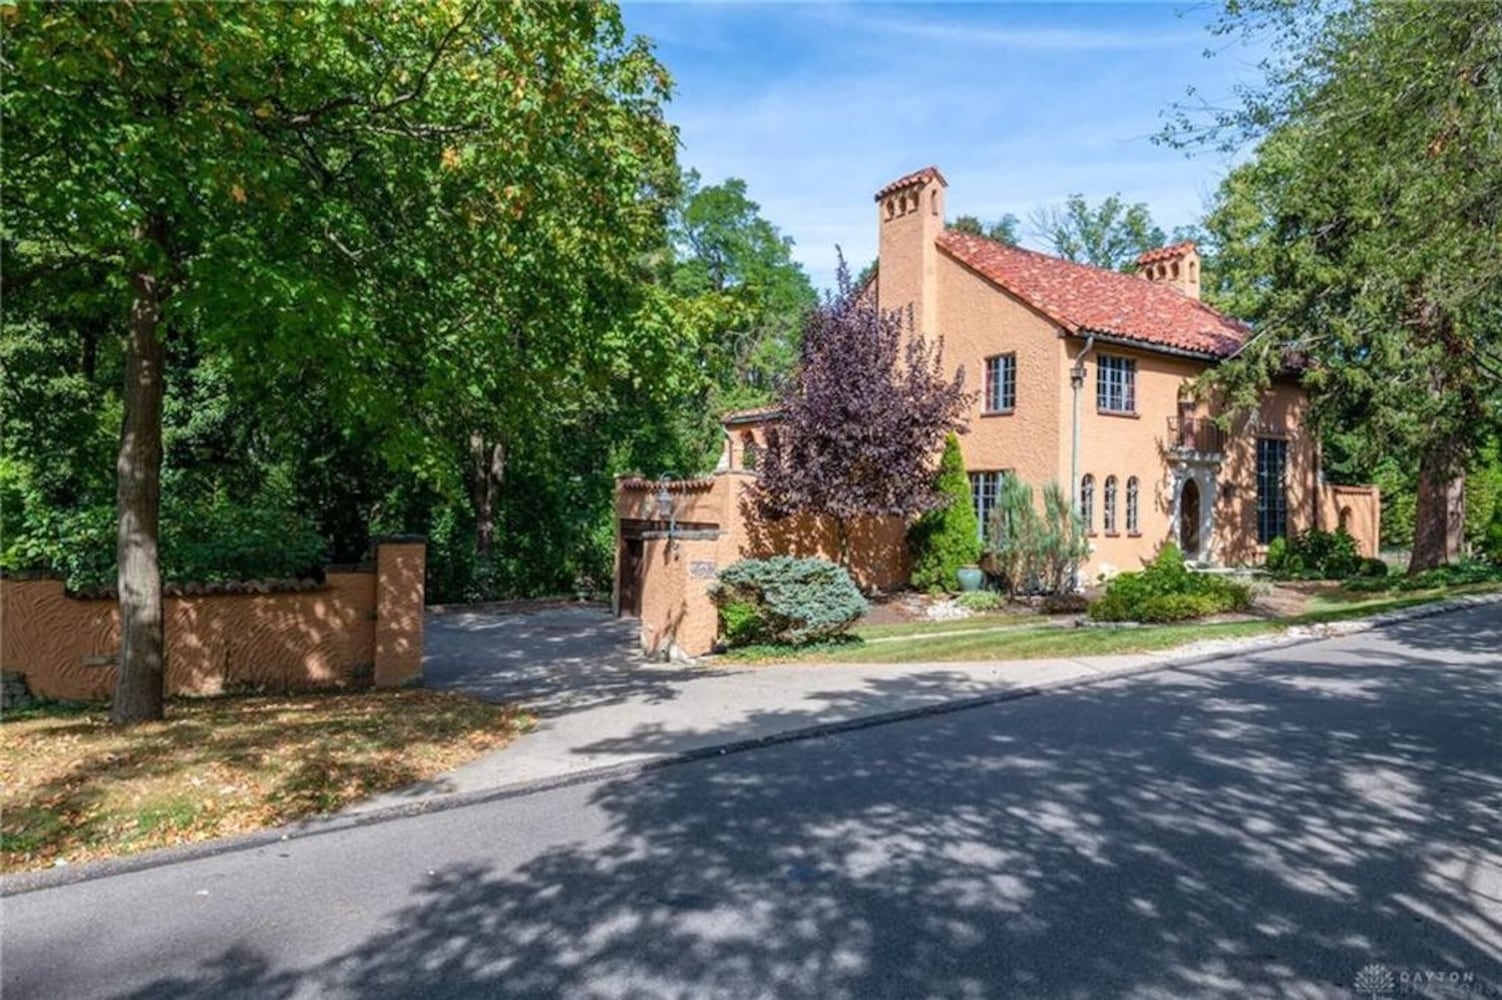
x=436 y=214
x=1110 y=235
x=723 y=247
x=1004 y=230
x=1364 y=236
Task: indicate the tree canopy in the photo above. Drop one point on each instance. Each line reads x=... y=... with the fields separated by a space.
x=1364 y=236
x=864 y=417
x=1110 y=235
x=429 y=227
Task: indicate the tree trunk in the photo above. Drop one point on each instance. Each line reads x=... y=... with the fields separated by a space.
x=138 y=471
x=1439 y=512
x=487 y=467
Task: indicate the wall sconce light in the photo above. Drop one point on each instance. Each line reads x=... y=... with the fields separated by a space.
x=665 y=510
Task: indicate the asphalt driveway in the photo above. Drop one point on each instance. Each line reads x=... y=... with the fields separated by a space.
x=548 y=657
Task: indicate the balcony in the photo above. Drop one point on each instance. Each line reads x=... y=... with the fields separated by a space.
x=1195 y=435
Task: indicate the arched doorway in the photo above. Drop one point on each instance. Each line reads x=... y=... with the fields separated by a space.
x=1189 y=519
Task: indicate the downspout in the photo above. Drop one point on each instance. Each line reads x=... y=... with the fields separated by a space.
x=1077 y=384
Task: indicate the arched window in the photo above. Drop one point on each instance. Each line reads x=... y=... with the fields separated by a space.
x=1108 y=506
x=1087 y=502
x=1132 y=492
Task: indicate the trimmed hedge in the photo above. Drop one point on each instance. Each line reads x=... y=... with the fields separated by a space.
x=785 y=600
x=1167 y=591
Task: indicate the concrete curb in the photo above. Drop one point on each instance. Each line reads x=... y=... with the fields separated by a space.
x=50 y=878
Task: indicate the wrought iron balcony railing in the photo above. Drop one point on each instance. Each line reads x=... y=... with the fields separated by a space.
x=1197 y=434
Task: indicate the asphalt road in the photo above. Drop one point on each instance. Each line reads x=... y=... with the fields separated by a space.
x=1269 y=826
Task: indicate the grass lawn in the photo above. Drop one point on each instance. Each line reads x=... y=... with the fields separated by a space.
x=999 y=638
x=75 y=788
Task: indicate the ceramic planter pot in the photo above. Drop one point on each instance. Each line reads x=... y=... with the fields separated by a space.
x=971 y=578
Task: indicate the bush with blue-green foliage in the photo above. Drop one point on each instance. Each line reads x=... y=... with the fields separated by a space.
x=785 y=600
x=1168 y=591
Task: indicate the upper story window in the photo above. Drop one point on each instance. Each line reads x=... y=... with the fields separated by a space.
x=1116 y=384
x=1001 y=384
x=985 y=495
x=1087 y=503
x=1272 y=489
x=1108 y=506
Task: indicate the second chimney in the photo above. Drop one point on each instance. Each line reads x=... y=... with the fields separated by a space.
x=1177 y=266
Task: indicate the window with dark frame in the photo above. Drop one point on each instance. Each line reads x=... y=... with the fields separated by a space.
x=1001 y=384
x=1272 y=489
x=1108 y=506
x=985 y=494
x=1116 y=384
x=1133 y=489
x=1087 y=503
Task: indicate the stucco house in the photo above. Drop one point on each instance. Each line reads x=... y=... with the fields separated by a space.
x=1084 y=375
x=1081 y=375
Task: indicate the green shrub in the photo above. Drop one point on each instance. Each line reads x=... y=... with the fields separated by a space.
x=790 y=601
x=1314 y=554
x=946 y=539
x=1372 y=568
x=1032 y=553
x=1455 y=575
x=1166 y=590
x=741 y=623
x=980 y=600
x=1277 y=554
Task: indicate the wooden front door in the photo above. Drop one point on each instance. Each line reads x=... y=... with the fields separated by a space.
x=1189 y=519
x=632 y=558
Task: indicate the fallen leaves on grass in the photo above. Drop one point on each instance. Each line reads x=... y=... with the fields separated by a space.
x=76 y=788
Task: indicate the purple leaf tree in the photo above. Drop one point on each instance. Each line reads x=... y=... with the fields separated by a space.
x=864 y=418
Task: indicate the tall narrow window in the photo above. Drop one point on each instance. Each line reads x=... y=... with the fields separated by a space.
x=1108 y=506
x=1087 y=503
x=1132 y=493
x=1272 y=489
x=985 y=493
x=1116 y=384
x=1001 y=384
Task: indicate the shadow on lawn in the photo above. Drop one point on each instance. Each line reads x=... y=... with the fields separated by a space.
x=1262 y=830
x=281 y=757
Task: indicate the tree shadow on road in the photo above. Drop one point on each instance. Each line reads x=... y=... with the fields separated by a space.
x=1262 y=830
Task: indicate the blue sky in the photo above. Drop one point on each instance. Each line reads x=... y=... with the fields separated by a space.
x=817 y=106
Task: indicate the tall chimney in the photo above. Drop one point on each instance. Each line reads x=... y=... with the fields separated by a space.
x=910 y=216
x=1177 y=266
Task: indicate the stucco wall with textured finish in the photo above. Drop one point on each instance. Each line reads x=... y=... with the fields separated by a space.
x=67 y=646
x=978 y=321
x=718 y=528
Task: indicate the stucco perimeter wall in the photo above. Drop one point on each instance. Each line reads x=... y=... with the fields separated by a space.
x=979 y=321
x=714 y=527
x=67 y=646
x=1357 y=509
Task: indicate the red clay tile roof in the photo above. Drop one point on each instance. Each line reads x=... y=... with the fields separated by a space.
x=1081 y=298
x=926 y=174
x=1165 y=253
